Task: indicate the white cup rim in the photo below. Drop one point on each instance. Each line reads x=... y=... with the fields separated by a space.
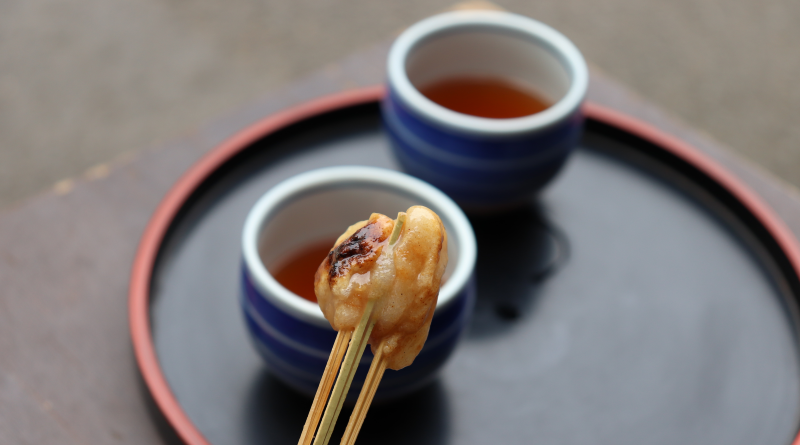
x=500 y=20
x=272 y=201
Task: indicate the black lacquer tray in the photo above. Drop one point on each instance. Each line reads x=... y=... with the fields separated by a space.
x=645 y=297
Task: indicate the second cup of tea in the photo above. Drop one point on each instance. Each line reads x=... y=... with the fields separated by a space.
x=461 y=107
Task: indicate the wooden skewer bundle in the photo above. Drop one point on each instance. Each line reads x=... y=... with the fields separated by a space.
x=345 y=357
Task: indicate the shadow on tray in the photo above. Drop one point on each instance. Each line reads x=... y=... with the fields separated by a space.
x=517 y=252
x=276 y=415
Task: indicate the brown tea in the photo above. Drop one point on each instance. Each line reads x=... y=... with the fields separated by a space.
x=485 y=97
x=296 y=272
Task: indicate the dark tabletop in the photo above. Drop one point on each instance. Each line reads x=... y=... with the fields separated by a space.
x=67 y=372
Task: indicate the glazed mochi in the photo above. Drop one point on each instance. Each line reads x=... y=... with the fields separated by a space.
x=402 y=280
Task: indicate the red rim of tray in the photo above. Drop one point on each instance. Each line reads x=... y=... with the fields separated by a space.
x=144 y=262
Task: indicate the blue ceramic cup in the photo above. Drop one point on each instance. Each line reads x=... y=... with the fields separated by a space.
x=484 y=163
x=289 y=332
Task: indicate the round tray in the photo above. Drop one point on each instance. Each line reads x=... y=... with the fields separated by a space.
x=648 y=297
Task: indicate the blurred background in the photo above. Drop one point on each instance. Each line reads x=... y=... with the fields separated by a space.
x=85 y=82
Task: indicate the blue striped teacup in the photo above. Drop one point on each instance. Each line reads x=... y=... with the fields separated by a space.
x=484 y=163
x=289 y=332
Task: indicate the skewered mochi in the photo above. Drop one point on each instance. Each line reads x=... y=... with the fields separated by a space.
x=402 y=279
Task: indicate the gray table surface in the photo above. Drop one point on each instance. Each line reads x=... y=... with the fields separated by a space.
x=67 y=372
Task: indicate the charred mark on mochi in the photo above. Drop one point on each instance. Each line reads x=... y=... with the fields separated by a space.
x=362 y=247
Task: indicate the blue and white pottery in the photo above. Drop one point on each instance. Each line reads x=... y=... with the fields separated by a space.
x=289 y=332
x=484 y=163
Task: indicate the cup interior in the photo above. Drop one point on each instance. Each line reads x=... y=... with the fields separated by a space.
x=488 y=44
x=321 y=204
x=489 y=51
x=325 y=213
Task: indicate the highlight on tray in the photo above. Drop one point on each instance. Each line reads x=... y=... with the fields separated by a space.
x=378 y=285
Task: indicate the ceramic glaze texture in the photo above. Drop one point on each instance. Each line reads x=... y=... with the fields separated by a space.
x=289 y=332
x=480 y=162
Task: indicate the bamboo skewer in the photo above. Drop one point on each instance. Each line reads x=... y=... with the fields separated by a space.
x=325 y=385
x=358 y=343
x=374 y=376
